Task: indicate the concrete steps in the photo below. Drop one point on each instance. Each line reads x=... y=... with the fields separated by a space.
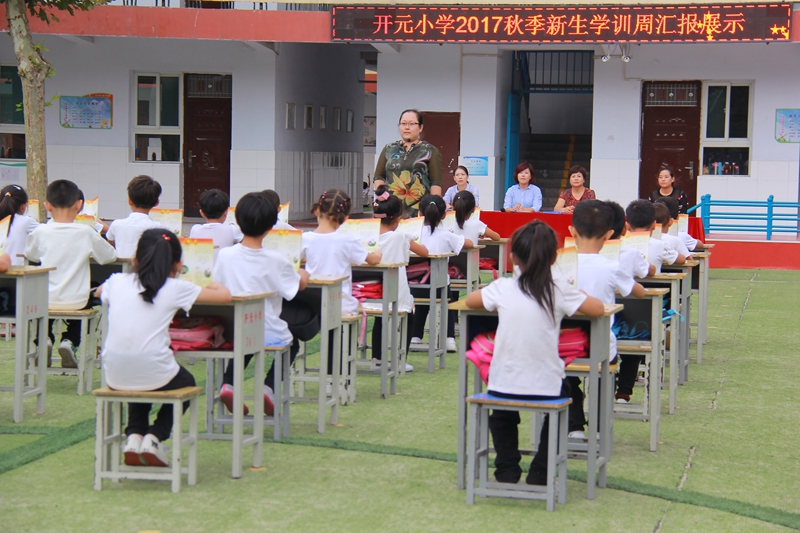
x=551 y=157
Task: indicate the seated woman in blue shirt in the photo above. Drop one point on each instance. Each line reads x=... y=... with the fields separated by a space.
x=524 y=196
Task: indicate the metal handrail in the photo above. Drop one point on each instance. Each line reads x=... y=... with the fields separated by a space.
x=758 y=212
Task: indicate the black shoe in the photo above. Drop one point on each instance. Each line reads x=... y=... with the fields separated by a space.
x=536 y=477
x=508 y=475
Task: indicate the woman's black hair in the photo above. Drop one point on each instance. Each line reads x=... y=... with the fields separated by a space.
x=156 y=254
x=415 y=111
x=432 y=208
x=12 y=197
x=463 y=205
x=386 y=206
x=668 y=169
x=534 y=246
x=334 y=204
x=462 y=167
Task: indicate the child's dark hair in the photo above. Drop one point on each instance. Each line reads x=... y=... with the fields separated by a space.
x=618 y=223
x=592 y=219
x=273 y=197
x=641 y=214
x=144 y=192
x=463 y=205
x=662 y=213
x=334 y=204
x=672 y=205
x=12 y=198
x=214 y=203
x=386 y=207
x=534 y=245
x=62 y=193
x=432 y=208
x=156 y=254
x=255 y=214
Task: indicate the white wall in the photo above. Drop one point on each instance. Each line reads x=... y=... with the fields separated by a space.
x=774 y=70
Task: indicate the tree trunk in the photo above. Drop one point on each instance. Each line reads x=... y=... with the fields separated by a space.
x=33 y=70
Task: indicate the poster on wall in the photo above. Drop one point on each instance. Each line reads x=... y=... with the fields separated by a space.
x=476 y=166
x=370 y=130
x=12 y=172
x=787 y=125
x=90 y=111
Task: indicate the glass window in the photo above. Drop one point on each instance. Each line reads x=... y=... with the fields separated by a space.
x=157 y=133
x=151 y=147
x=726 y=143
x=719 y=160
x=170 y=100
x=12 y=146
x=147 y=101
x=715 y=119
x=10 y=96
x=740 y=108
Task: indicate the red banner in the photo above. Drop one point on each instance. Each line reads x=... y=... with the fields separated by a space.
x=584 y=24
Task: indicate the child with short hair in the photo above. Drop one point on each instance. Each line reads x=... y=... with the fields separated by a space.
x=247 y=267
x=631 y=260
x=14 y=203
x=136 y=354
x=276 y=199
x=437 y=241
x=689 y=242
x=395 y=247
x=642 y=217
x=143 y=195
x=599 y=277
x=68 y=247
x=526 y=364
x=214 y=205
x=467 y=225
x=665 y=221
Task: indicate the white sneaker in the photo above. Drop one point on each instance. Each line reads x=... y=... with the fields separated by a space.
x=409 y=368
x=153 y=452
x=132 y=449
x=622 y=400
x=375 y=365
x=451 y=345
x=67 y=351
x=416 y=340
x=577 y=435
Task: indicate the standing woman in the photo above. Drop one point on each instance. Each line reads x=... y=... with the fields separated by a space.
x=577 y=192
x=666 y=188
x=410 y=167
x=524 y=196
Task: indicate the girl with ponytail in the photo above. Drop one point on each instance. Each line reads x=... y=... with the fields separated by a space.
x=14 y=203
x=526 y=364
x=467 y=225
x=136 y=354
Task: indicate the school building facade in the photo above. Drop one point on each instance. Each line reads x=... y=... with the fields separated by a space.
x=243 y=98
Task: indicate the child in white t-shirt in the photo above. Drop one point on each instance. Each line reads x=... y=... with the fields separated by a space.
x=599 y=277
x=395 y=247
x=437 y=241
x=67 y=246
x=663 y=219
x=143 y=195
x=642 y=217
x=14 y=203
x=136 y=352
x=247 y=267
x=332 y=253
x=467 y=225
x=273 y=196
x=526 y=364
x=632 y=261
x=214 y=205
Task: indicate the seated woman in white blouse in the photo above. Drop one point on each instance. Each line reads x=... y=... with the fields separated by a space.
x=524 y=196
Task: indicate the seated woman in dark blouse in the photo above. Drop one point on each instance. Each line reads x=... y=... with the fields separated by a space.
x=666 y=188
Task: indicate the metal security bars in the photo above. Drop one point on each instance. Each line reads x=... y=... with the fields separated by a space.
x=559 y=71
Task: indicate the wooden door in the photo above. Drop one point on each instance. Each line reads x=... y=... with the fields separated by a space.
x=670 y=135
x=207 y=137
x=443 y=130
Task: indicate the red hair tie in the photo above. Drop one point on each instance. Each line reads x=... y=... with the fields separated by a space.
x=166 y=237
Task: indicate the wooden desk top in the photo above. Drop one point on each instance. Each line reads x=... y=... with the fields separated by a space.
x=380 y=265
x=649 y=291
x=476 y=247
x=610 y=309
x=705 y=246
x=243 y=297
x=319 y=281
x=490 y=242
x=689 y=263
x=434 y=256
x=19 y=271
x=664 y=276
x=702 y=255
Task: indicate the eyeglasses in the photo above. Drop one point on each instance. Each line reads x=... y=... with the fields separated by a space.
x=408 y=124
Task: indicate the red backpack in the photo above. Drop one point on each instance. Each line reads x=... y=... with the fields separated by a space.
x=197 y=333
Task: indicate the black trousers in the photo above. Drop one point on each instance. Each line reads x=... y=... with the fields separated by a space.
x=139 y=413
x=628 y=370
x=504 y=427
x=421 y=313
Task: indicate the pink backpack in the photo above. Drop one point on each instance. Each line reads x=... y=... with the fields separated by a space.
x=481 y=351
x=418 y=273
x=196 y=333
x=573 y=343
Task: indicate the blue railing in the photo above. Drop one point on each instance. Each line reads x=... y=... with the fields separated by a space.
x=756 y=217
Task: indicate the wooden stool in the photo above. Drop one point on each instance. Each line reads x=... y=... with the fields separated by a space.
x=478 y=450
x=109 y=436
x=87 y=351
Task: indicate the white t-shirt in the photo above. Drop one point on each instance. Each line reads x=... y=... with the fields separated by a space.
x=688 y=241
x=247 y=270
x=223 y=235
x=601 y=277
x=634 y=263
x=21 y=227
x=441 y=241
x=68 y=247
x=676 y=244
x=395 y=248
x=136 y=353
x=526 y=357
x=333 y=254
x=473 y=228
x=125 y=232
x=660 y=253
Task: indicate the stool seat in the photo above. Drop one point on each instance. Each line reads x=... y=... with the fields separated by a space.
x=73 y=313
x=277 y=348
x=633 y=348
x=350 y=318
x=379 y=312
x=485 y=398
x=184 y=393
x=584 y=367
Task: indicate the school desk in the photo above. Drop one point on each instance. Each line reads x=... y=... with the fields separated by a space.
x=437 y=317
x=497 y=250
x=686 y=312
x=472 y=260
x=703 y=258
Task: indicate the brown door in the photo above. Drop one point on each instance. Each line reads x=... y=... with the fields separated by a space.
x=670 y=135
x=443 y=130
x=207 y=142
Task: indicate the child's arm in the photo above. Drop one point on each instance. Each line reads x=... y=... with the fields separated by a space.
x=373 y=258
x=5 y=262
x=468 y=244
x=651 y=270
x=680 y=260
x=491 y=234
x=638 y=290
x=102 y=251
x=590 y=307
x=304 y=277
x=214 y=293
x=418 y=249
x=475 y=300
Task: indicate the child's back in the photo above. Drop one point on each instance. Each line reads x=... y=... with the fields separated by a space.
x=223 y=235
x=333 y=254
x=659 y=253
x=676 y=244
x=394 y=246
x=143 y=195
x=18 y=232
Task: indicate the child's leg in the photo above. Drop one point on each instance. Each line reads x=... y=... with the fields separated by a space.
x=452 y=316
x=505 y=435
x=420 y=313
x=377 y=338
x=577 y=419
x=302 y=317
x=626 y=379
x=73 y=332
x=162 y=426
x=537 y=475
x=227 y=377
x=138 y=418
